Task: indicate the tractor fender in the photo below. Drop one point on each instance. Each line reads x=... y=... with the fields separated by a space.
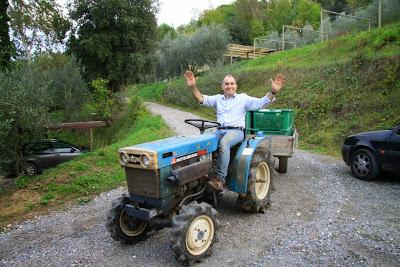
x=241 y=164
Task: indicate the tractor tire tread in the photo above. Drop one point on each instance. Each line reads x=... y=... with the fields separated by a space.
x=180 y=224
x=113 y=224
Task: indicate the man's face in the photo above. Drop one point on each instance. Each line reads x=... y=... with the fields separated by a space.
x=229 y=86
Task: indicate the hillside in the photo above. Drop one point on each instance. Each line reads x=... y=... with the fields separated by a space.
x=78 y=180
x=336 y=88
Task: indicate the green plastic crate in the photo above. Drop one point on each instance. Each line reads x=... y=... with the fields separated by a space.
x=270 y=121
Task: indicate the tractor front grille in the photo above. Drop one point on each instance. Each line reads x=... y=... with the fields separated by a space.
x=143 y=182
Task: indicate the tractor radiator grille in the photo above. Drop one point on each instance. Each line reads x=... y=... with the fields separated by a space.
x=143 y=182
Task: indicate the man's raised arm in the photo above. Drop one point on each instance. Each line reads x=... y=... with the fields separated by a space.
x=191 y=83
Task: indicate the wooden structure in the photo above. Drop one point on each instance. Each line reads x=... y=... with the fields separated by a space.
x=80 y=125
x=236 y=51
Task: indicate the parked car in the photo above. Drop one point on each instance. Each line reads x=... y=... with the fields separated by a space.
x=369 y=153
x=47 y=153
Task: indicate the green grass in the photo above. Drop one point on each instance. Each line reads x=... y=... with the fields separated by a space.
x=337 y=88
x=80 y=179
x=99 y=171
x=150 y=92
x=370 y=45
x=122 y=118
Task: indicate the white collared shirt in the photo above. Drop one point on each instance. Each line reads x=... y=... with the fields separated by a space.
x=232 y=111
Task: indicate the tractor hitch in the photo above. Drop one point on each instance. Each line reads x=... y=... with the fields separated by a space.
x=140 y=213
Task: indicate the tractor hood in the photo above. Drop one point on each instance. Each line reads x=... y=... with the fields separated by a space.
x=166 y=152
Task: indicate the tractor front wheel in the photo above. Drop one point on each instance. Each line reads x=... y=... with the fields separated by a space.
x=123 y=228
x=259 y=184
x=193 y=232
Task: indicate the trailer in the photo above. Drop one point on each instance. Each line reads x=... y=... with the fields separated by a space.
x=278 y=124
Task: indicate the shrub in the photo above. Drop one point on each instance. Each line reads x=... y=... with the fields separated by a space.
x=102 y=97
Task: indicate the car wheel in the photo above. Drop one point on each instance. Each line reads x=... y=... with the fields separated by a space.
x=31 y=169
x=364 y=165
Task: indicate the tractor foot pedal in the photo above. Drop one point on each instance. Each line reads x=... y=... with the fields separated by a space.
x=218 y=195
x=222 y=193
x=215 y=199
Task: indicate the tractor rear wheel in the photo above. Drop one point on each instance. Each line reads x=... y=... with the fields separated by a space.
x=259 y=184
x=123 y=228
x=193 y=232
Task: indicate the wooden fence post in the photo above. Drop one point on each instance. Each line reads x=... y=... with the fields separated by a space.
x=91 y=138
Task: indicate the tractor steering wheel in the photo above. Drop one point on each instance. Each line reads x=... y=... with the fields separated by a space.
x=202 y=124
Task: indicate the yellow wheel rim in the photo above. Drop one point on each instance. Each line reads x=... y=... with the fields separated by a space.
x=262 y=180
x=199 y=235
x=129 y=231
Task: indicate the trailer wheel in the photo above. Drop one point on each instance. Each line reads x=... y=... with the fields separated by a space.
x=283 y=164
x=259 y=185
x=123 y=228
x=193 y=232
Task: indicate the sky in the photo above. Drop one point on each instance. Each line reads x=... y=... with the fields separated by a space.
x=179 y=12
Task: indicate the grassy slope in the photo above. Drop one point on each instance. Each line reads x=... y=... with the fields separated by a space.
x=337 y=88
x=77 y=181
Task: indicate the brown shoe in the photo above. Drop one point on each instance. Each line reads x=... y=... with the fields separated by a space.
x=216 y=183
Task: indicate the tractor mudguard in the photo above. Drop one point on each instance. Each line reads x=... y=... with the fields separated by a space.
x=241 y=164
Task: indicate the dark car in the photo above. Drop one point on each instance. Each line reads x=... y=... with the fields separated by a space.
x=369 y=153
x=46 y=153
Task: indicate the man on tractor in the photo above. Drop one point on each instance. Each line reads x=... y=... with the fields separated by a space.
x=231 y=110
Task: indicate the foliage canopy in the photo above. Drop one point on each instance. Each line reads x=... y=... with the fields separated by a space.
x=37 y=26
x=7 y=49
x=112 y=38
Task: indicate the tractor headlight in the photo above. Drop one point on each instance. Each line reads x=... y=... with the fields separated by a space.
x=145 y=160
x=123 y=158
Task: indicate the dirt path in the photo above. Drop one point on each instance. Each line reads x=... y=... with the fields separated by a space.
x=320 y=215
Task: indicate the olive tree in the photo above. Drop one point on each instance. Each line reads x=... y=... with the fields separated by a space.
x=29 y=94
x=23 y=112
x=37 y=26
x=309 y=36
x=204 y=47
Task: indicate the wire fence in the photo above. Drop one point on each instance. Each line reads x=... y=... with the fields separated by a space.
x=333 y=24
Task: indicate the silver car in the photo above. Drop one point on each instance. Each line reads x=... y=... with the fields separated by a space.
x=47 y=153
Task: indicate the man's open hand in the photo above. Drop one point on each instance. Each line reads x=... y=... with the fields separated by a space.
x=190 y=79
x=278 y=83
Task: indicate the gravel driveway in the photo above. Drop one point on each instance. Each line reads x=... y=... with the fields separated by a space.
x=320 y=215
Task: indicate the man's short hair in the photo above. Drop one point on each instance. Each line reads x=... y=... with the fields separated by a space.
x=228 y=75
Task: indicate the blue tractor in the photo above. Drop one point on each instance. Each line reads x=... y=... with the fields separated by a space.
x=167 y=187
